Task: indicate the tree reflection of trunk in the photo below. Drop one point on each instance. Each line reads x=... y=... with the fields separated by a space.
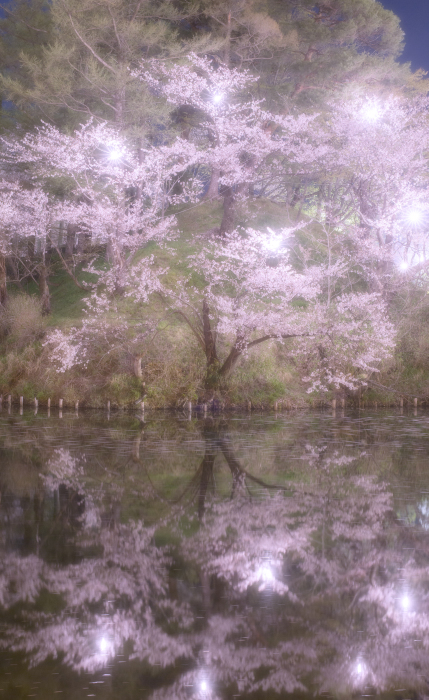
x=215 y=440
x=205 y=587
x=206 y=470
x=136 y=444
x=72 y=505
x=238 y=475
x=39 y=507
x=27 y=539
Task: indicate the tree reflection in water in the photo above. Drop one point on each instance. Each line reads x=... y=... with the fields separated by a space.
x=303 y=580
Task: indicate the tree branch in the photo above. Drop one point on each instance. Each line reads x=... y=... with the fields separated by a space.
x=94 y=53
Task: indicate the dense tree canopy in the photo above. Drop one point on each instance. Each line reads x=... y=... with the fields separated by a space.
x=154 y=110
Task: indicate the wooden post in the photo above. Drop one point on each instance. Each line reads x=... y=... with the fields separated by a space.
x=249 y=405
x=190 y=406
x=343 y=403
x=60 y=403
x=205 y=409
x=276 y=406
x=76 y=406
x=416 y=402
x=21 y=401
x=9 y=400
x=36 y=403
x=108 y=407
x=142 y=406
x=49 y=403
x=401 y=402
x=334 y=404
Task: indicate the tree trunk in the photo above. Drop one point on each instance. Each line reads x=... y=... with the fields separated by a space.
x=212 y=361
x=3 y=280
x=296 y=196
x=45 y=296
x=138 y=367
x=213 y=188
x=70 y=240
x=228 y=219
x=230 y=361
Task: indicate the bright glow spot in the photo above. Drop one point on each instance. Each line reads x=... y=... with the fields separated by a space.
x=114 y=154
x=266 y=574
x=414 y=216
x=405 y=602
x=204 y=686
x=274 y=242
x=360 y=671
x=103 y=645
x=403 y=266
x=371 y=112
x=218 y=97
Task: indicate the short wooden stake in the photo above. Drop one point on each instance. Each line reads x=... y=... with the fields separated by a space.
x=36 y=403
x=334 y=404
x=276 y=406
x=205 y=409
x=416 y=401
x=49 y=403
x=108 y=406
x=60 y=403
x=21 y=401
x=401 y=402
x=76 y=406
x=9 y=400
x=343 y=403
x=142 y=406
x=249 y=405
x=190 y=406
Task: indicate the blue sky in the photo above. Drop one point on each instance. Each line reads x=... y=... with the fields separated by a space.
x=414 y=16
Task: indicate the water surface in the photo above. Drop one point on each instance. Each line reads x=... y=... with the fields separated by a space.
x=245 y=556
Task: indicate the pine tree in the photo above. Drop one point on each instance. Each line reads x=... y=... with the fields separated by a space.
x=85 y=69
x=25 y=28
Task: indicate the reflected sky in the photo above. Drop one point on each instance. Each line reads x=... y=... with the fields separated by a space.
x=244 y=556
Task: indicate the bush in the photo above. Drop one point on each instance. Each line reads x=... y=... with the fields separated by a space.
x=22 y=320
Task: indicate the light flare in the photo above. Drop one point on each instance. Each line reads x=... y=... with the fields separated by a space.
x=371 y=112
x=414 y=216
x=265 y=574
x=104 y=645
x=405 y=602
x=114 y=154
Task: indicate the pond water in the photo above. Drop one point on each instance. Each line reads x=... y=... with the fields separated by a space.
x=259 y=556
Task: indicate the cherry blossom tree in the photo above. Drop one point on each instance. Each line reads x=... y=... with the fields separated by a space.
x=243 y=286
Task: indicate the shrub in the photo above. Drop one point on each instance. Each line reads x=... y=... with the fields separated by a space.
x=22 y=320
